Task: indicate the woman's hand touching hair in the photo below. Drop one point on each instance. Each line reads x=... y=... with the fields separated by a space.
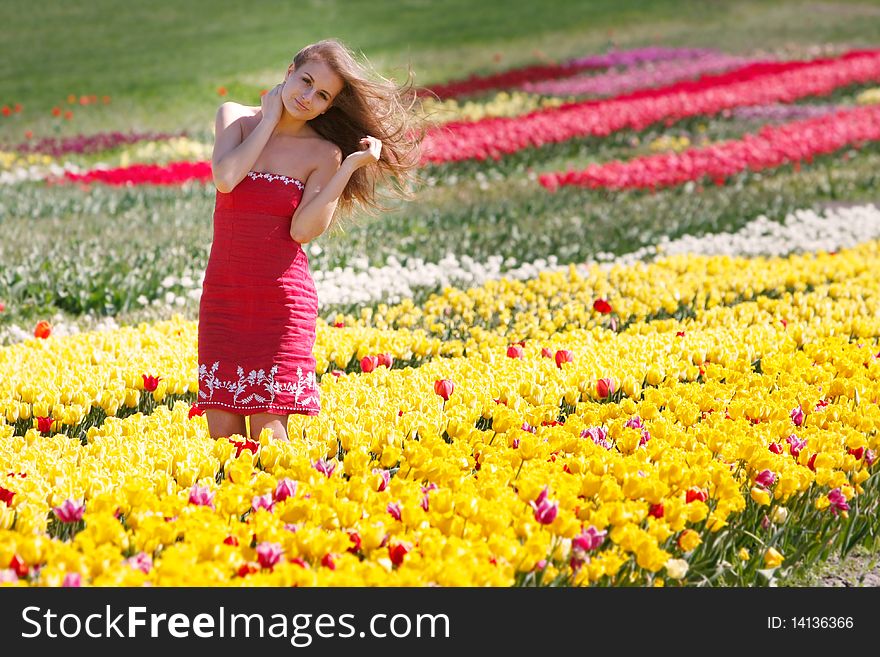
x=371 y=148
x=271 y=106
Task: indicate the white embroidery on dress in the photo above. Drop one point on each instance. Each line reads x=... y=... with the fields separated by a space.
x=302 y=389
x=276 y=176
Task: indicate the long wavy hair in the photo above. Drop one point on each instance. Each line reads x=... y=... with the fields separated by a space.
x=369 y=104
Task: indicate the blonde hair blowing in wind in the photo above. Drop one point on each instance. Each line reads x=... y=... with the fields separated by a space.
x=369 y=104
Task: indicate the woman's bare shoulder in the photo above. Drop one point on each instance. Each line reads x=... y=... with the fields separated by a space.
x=238 y=108
x=232 y=111
x=327 y=151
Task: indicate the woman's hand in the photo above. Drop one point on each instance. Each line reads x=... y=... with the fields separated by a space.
x=270 y=105
x=371 y=148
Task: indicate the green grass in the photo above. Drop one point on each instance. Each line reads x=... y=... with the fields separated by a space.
x=162 y=62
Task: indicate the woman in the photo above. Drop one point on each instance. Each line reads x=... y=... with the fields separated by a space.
x=319 y=139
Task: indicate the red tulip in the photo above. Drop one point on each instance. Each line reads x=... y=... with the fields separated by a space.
x=563 y=356
x=397 y=552
x=386 y=359
x=19 y=566
x=602 y=306
x=43 y=329
x=546 y=353
x=247 y=569
x=6 y=496
x=151 y=382
x=606 y=387
x=44 y=424
x=444 y=388
x=696 y=494
x=369 y=363
x=514 y=351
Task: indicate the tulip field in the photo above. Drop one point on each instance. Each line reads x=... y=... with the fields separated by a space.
x=626 y=334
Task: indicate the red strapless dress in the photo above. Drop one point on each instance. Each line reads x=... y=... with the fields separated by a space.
x=259 y=306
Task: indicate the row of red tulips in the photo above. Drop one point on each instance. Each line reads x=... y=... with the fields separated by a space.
x=771 y=147
x=756 y=84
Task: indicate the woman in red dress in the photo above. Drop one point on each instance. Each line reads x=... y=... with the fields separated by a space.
x=319 y=140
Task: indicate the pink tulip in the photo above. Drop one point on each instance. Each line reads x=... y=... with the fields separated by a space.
x=262 y=502
x=369 y=363
x=795 y=445
x=588 y=540
x=284 y=489
x=546 y=353
x=598 y=435
x=838 y=501
x=545 y=511
x=386 y=360
x=269 y=554
x=765 y=478
x=324 y=467
x=201 y=496
x=69 y=511
x=71 y=580
x=141 y=561
x=385 y=478
x=797 y=416
x=515 y=351
x=393 y=508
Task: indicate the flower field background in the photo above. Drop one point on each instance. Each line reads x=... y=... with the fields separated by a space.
x=627 y=333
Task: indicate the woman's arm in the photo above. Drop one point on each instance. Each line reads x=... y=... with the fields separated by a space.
x=324 y=187
x=233 y=158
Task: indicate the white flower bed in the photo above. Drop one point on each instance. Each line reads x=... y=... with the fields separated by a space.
x=802 y=231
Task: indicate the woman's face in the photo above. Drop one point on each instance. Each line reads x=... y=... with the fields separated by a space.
x=310 y=90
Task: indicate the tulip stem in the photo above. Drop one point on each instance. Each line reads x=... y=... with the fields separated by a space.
x=519 y=470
